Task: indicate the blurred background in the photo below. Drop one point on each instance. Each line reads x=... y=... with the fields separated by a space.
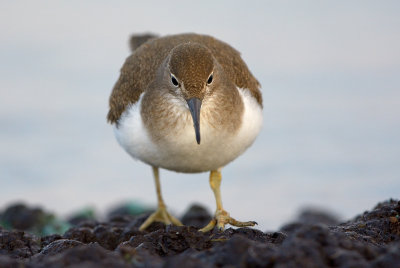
x=330 y=73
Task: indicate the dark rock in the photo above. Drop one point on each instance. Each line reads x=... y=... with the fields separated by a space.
x=238 y=251
x=19 y=216
x=140 y=256
x=185 y=261
x=311 y=216
x=196 y=216
x=58 y=246
x=18 y=244
x=45 y=240
x=34 y=220
x=171 y=241
x=390 y=258
x=276 y=237
x=314 y=240
x=8 y=262
x=91 y=255
x=377 y=227
x=82 y=234
x=318 y=216
x=107 y=236
x=250 y=233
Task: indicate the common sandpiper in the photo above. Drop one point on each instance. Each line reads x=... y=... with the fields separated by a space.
x=186 y=103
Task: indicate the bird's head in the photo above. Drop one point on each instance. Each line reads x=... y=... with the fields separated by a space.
x=191 y=77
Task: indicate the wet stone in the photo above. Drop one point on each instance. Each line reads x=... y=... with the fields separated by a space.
x=21 y=217
x=58 y=246
x=82 y=234
x=9 y=262
x=18 y=244
x=45 y=240
x=196 y=216
x=315 y=239
x=90 y=255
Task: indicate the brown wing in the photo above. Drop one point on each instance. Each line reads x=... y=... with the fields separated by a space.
x=137 y=73
x=139 y=69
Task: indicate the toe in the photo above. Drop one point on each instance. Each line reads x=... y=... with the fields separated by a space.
x=175 y=221
x=221 y=225
x=209 y=226
x=236 y=223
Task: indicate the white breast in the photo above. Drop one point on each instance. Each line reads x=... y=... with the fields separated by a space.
x=179 y=151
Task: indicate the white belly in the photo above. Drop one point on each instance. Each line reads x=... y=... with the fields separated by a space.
x=180 y=152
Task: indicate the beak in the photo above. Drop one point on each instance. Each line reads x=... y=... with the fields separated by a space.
x=194 y=107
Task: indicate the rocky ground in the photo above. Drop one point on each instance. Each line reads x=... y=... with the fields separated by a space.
x=315 y=239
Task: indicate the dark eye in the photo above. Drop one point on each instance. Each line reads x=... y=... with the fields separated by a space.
x=210 y=79
x=174 y=81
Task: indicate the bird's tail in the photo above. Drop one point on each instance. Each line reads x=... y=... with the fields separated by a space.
x=137 y=40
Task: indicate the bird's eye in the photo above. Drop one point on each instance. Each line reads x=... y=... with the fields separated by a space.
x=174 y=81
x=210 y=79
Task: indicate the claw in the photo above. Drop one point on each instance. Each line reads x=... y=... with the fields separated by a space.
x=221 y=219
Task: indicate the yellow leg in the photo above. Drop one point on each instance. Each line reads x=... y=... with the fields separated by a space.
x=221 y=217
x=161 y=214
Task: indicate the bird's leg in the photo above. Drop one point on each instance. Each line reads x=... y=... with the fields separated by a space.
x=161 y=214
x=221 y=217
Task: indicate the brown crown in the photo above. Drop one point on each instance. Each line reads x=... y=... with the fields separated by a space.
x=192 y=64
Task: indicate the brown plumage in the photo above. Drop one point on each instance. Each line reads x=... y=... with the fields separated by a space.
x=139 y=69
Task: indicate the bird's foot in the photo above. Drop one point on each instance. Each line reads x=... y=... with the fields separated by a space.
x=160 y=215
x=222 y=218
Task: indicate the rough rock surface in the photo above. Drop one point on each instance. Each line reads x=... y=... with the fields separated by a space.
x=314 y=240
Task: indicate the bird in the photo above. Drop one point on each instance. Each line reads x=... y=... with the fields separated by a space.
x=187 y=103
